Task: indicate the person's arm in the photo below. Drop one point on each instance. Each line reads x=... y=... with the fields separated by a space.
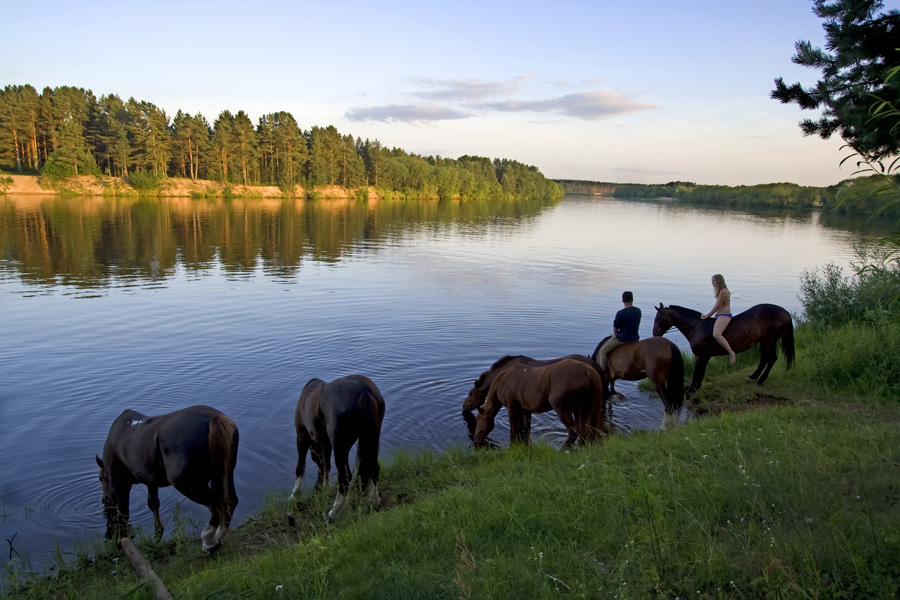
x=715 y=307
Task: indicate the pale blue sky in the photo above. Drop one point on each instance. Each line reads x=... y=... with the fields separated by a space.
x=644 y=92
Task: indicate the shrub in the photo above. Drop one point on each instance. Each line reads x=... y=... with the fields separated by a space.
x=870 y=294
x=144 y=182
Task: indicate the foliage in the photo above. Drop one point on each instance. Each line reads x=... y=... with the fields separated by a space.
x=781 y=195
x=862 y=46
x=126 y=138
x=871 y=294
x=144 y=181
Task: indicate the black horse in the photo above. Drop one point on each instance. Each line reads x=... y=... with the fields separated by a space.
x=763 y=324
x=193 y=449
x=333 y=416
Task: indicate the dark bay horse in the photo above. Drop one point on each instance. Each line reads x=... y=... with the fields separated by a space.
x=193 y=449
x=478 y=393
x=570 y=387
x=763 y=324
x=332 y=417
x=656 y=359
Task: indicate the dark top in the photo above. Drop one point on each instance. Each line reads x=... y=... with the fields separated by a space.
x=627 y=323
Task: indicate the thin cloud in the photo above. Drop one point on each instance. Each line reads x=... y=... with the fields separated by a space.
x=452 y=99
x=467 y=90
x=591 y=106
x=405 y=113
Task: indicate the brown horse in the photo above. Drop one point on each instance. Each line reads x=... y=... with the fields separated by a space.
x=193 y=449
x=656 y=359
x=333 y=416
x=571 y=388
x=478 y=393
x=763 y=324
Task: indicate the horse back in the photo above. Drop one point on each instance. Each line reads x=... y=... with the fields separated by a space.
x=350 y=403
x=162 y=449
x=759 y=323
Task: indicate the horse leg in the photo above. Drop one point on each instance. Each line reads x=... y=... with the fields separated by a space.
x=699 y=371
x=516 y=424
x=771 y=355
x=759 y=368
x=566 y=417
x=321 y=454
x=303 y=443
x=342 y=462
x=153 y=505
x=198 y=491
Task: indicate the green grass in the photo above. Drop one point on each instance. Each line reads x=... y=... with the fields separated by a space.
x=787 y=491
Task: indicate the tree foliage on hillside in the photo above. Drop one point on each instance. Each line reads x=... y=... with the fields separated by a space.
x=70 y=131
x=862 y=44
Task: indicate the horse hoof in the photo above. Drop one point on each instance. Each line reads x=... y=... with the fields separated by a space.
x=210 y=550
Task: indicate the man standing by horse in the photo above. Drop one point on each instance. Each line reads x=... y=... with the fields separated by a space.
x=625 y=330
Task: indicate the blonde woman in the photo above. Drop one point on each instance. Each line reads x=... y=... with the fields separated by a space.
x=722 y=310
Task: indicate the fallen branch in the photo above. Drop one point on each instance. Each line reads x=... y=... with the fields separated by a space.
x=143 y=568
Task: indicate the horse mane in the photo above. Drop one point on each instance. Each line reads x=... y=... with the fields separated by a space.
x=683 y=309
x=503 y=360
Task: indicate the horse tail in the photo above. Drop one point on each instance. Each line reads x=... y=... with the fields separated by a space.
x=371 y=406
x=787 y=345
x=223 y=446
x=675 y=379
x=597 y=349
x=597 y=413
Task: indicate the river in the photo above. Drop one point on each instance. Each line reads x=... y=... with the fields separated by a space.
x=155 y=305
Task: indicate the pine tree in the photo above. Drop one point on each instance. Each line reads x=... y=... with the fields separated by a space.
x=862 y=46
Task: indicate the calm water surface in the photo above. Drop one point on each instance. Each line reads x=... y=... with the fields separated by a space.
x=155 y=305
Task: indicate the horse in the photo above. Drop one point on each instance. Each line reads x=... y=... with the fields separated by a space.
x=193 y=449
x=334 y=416
x=763 y=324
x=479 y=391
x=656 y=359
x=570 y=387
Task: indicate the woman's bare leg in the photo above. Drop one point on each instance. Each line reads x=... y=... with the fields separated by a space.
x=719 y=326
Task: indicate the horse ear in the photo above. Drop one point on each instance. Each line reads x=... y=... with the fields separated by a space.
x=99 y=462
x=660 y=307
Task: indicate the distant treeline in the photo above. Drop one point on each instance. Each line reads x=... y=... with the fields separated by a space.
x=67 y=131
x=861 y=194
x=587 y=188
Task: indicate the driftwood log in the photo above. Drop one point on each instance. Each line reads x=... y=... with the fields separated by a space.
x=143 y=568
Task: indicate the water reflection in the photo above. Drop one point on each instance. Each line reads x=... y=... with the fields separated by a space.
x=94 y=242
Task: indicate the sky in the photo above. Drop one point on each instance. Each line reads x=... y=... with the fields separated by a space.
x=630 y=92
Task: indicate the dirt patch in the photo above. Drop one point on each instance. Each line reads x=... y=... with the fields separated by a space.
x=713 y=406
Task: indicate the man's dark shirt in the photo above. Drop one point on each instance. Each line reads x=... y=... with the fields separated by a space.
x=627 y=323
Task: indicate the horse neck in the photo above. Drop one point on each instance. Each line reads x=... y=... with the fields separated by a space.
x=684 y=319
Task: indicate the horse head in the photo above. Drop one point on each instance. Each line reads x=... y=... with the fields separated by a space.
x=475 y=398
x=116 y=520
x=484 y=424
x=663 y=321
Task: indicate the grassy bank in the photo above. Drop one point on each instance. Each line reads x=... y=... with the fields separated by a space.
x=787 y=492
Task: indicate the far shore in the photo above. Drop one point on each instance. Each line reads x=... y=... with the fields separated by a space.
x=170 y=187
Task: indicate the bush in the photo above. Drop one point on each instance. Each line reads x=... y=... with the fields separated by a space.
x=144 y=182
x=871 y=294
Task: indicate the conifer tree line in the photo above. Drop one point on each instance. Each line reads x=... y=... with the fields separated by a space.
x=67 y=131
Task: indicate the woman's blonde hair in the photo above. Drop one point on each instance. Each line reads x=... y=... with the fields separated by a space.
x=719 y=283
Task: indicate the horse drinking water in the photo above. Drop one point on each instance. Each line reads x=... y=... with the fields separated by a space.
x=656 y=359
x=193 y=449
x=570 y=387
x=763 y=324
x=332 y=417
